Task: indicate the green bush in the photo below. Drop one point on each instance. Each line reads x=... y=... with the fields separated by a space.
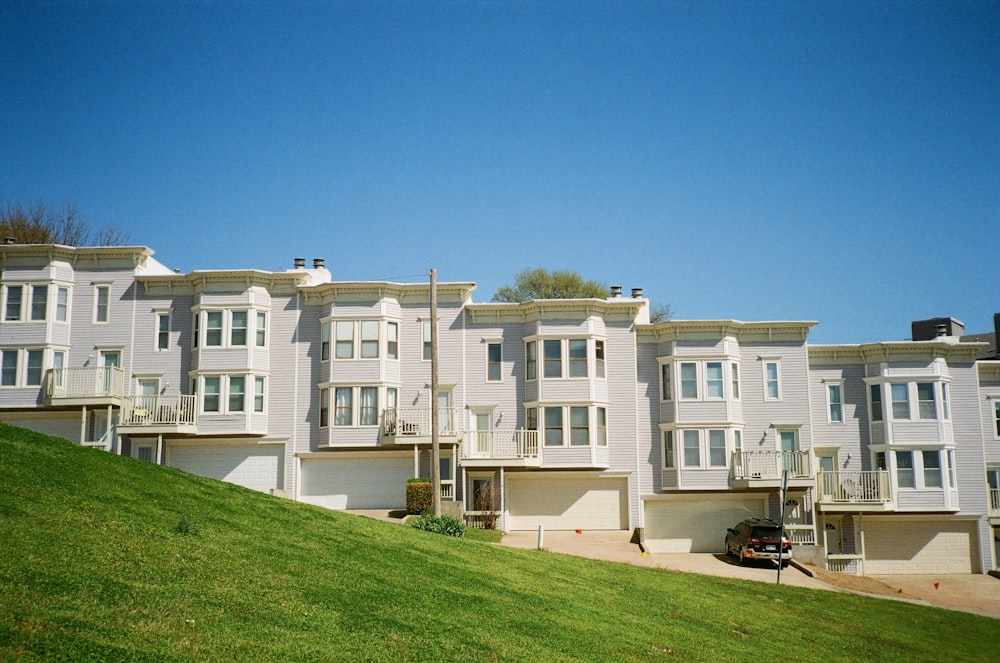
x=419 y=496
x=439 y=524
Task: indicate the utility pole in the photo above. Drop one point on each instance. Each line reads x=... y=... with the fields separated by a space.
x=435 y=425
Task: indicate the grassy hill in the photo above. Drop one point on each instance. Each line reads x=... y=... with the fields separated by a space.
x=107 y=558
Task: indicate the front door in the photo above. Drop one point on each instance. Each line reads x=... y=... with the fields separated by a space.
x=484 y=424
x=446 y=424
x=789 y=441
x=110 y=359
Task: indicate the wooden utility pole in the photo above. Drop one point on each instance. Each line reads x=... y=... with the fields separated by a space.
x=435 y=424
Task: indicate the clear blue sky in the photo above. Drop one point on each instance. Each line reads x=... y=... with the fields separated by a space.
x=810 y=161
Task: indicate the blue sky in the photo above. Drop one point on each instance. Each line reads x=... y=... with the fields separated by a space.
x=751 y=160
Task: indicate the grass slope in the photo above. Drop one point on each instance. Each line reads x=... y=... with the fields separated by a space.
x=95 y=565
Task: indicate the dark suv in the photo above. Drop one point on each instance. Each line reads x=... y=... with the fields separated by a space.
x=757 y=538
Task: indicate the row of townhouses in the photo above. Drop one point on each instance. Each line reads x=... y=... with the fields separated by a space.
x=567 y=414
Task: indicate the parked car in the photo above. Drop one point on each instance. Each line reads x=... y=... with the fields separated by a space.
x=757 y=538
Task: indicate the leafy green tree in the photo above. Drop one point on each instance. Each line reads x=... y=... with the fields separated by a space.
x=540 y=283
x=38 y=223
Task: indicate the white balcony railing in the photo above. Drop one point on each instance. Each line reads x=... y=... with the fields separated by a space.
x=406 y=421
x=854 y=487
x=166 y=410
x=86 y=382
x=503 y=444
x=770 y=465
x=995 y=502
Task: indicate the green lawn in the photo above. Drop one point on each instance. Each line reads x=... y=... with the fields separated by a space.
x=107 y=558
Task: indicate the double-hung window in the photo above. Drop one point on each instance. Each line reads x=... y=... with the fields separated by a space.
x=717 y=448
x=343 y=406
x=926 y=406
x=237 y=393
x=102 y=300
x=39 y=301
x=33 y=375
x=900 y=400
x=8 y=368
x=692 y=448
x=324 y=408
x=260 y=331
x=772 y=388
x=162 y=331
x=602 y=427
x=344 y=346
x=996 y=418
x=428 y=349
x=668 y=449
x=932 y=468
x=12 y=304
x=577 y=358
x=369 y=406
x=210 y=397
x=494 y=362
x=579 y=423
x=324 y=341
x=689 y=379
x=735 y=370
x=553 y=426
x=62 y=304
x=392 y=340
x=875 y=391
x=904 y=469
x=238 y=329
x=531 y=360
x=369 y=339
x=213 y=329
x=666 y=388
x=258 y=394
x=552 y=350
x=713 y=379
x=835 y=400
x=599 y=370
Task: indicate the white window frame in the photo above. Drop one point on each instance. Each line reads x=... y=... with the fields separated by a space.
x=18 y=314
x=102 y=312
x=896 y=388
x=243 y=329
x=734 y=377
x=494 y=365
x=925 y=406
x=573 y=363
x=260 y=329
x=39 y=368
x=553 y=362
x=368 y=347
x=162 y=334
x=63 y=306
x=600 y=358
x=259 y=393
x=876 y=389
x=33 y=306
x=768 y=380
x=718 y=383
x=708 y=438
x=669 y=450
x=391 y=340
x=689 y=381
x=325 y=340
x=6 y=369
x=427 y=350
x=837 y=403
x=667 y=381
x=531 y=360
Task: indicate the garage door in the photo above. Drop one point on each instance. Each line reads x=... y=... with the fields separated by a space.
x=918 y=547
x=696 y=524
x=375 y=483
x=257 y=467
x=567 y=502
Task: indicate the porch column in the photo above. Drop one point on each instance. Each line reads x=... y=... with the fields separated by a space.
x=159 y=447
x=861 y=538
x=416 y=462
x=503 y=498
x=107 y=431
x=83 y=425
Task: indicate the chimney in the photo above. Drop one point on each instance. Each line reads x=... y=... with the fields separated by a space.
x=616 y=291
x=941 y=330
x=318 y=263
x=300 y=263
x=636 y=293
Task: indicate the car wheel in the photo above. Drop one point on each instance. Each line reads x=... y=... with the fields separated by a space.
x=729 y=551
x=743 y=559
x=784 y=564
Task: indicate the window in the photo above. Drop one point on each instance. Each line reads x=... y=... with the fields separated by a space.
x=195 y=329
x=8 y=368
x=904 y=469
x=494 y=359
x=102 y=298
x=738 y=441
x=925 y=400
x=668 y=449
x=162 y=331
x=579 y=427
x=996 y=417
x=343 y=406
x=665 y=386
x=33 y=377
x=599 y=358
x=553 y=358
x=145 y=453
x=531 y=360
x=900 y=401
x=531 y=418
x=344 y=345
x=932 y=468
x=602 y=427
x=951 y=468
x=369 y=406
x=689 y=380
x=391 y=398
x=62 y=304
x=12 y=306
x=692 y=449
x=713 y=379
x=392 y=340
x=735 y=368
x=237 y=393
x=577 y=358
x=428 y=350
x=835 y=398
x=369 y=339
x=945 y=409
x=324 y=342
x=213 y=329
x=717 y=448
x=553 y=426
x=876 y=396
x=258 y=394
x=58 y=363
x=39 y=301
x=210 y=399
x=324 y=408
x=771 y=383
x=261 y=330
x=827 y=463
x=238 y=328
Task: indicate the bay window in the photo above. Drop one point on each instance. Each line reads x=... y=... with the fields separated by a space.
x=39 y=301
x=689 y=380
x=577 y=358
x=713 y=379
x=552 y=354
x=926 y=406
x=579 y=423
x=900 y=401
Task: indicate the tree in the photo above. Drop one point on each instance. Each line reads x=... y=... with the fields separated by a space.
x=660 y=313
x=540 y=283
x=39 y=223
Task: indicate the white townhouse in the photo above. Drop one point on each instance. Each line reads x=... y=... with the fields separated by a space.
x=567 y=414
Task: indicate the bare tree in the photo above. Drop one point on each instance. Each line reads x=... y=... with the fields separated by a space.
x=39 y=223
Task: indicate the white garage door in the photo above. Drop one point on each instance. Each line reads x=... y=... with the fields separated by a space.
x=257 y=467
x=369 y=483
x=696 y=524
x=917 y=547
x=567 y=502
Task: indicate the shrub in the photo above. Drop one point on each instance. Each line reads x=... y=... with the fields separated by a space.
x=439 y=524
x=419 y=495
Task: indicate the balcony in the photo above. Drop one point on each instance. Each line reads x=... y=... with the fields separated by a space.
x=176 y=413
x=764 y=469
x=412 y=425
x=85 y=385
x=508 y=448
x=854 y=491
x=994 y=502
